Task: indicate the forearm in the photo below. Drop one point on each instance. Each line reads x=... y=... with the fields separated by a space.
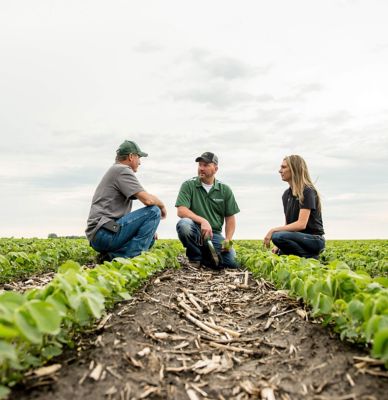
x=292 y=227
x=149 y=199
x=296 y=226
x=154 y=201
x=230 y=227
x=184 y=212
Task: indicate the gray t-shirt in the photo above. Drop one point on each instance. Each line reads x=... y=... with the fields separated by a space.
x=113 y=197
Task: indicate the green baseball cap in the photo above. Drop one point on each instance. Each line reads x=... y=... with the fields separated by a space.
x=130 y=147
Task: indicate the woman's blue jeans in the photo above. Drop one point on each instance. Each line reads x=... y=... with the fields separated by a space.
x=298 y=243
x=137 y=234
x=189 y=234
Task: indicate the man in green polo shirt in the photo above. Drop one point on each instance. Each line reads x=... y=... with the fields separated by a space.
x=204 y=204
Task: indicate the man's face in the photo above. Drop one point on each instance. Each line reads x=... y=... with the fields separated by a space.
x=134 y=161
x=206 y=170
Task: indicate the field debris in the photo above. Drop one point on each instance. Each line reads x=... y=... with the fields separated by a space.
x=49 y=370
x=216 y=335
x=32 y=282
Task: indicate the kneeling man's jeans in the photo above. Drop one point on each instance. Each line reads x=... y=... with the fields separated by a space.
x=189 y=234
x=137 y=234
x=298 y=243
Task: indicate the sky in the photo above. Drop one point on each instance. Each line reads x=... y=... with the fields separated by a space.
x=250 y=80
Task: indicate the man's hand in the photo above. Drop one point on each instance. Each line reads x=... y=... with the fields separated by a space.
x=227 y=245
x=206 y=230
x=163 y=212
x=275 y=250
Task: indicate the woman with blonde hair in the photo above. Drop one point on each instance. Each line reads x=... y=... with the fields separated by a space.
x=303 y=232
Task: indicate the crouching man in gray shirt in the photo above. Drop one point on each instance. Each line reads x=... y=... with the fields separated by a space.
x=112 y=229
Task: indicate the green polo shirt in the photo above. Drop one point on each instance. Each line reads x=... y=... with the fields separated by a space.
x=213 y=206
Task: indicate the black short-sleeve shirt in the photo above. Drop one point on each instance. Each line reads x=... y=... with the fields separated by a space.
x=292 y=207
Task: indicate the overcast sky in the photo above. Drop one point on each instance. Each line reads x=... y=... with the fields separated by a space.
x=252 y=81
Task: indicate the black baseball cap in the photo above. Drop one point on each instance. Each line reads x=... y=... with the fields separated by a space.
x=207 y=157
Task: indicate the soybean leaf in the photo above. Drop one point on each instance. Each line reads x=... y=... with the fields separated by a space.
x=27 y=327
x=383 y=281
x=45 y=315
x=376 y=323
x=12 y=300
x=325 y=303
x=52 y=350
x=4 y=392
x=95 y=303
x=8 y=332
x=69 y=266
x=7 y=352
x=380 y=344
x=356 y=310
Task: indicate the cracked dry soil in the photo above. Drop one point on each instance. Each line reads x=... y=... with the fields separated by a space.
x=202 y=334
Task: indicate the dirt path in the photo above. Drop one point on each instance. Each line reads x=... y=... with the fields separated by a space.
x=257 y=343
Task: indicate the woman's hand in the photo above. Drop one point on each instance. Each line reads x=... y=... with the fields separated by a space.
x=267 y=239
x=275 y=250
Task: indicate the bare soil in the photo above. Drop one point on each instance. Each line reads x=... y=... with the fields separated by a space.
x=201 y=334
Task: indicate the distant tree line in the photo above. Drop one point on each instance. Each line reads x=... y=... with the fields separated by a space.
x=55 y=236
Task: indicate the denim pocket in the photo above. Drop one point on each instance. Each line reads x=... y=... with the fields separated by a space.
x=102 y=240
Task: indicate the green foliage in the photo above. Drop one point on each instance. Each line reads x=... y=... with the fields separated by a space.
x=359 y=255
x=380 y=345
x=20 y=258
x=348 y=287
x=353 y=301
x=35 y=325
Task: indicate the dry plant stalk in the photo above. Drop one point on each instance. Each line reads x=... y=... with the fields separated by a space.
x=188 y=309
x=192 y=299
x=231 y=348
x=222 y=329
x=267 y=394
x=202 y=325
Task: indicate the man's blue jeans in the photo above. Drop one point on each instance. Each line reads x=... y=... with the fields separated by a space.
x=298 y=243
x=189 y=234
x=137 y=234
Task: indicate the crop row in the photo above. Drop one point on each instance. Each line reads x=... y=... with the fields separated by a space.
x=360 y=255
x=370 y=256
x=355 y=304
x=21 y=258
x=36 y=325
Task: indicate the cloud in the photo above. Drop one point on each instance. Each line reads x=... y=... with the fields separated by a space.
x=301 y=92
x=252 y=94
x=360 y=145
x=206 y=78
x=216 y=95
x=57 y=178
x=147 y=47
x=225 y=67
x=336 y=118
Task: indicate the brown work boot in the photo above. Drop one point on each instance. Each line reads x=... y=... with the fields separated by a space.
x=194 y=264
x=102 y=257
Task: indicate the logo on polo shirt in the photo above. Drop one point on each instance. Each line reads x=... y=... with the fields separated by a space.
x=218 y=200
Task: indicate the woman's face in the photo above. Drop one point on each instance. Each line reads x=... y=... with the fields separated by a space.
x=285 y=172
